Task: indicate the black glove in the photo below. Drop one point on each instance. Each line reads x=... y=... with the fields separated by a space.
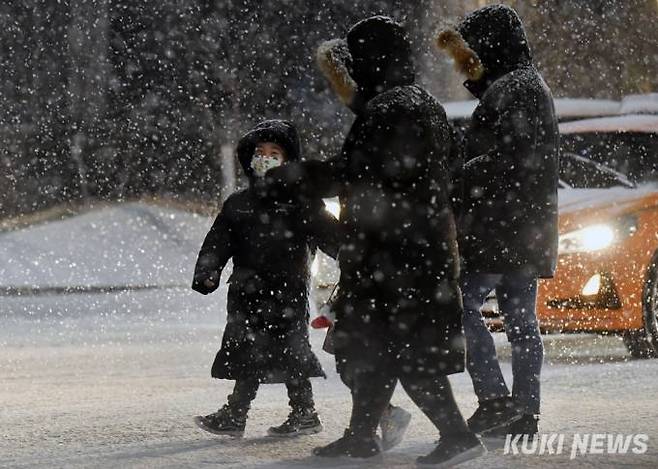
x=205 y=282
x=283 y=182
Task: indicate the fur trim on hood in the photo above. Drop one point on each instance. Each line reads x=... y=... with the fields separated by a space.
x=487 y=44
x=374 y=57
x=333 y=58
x=466 y=60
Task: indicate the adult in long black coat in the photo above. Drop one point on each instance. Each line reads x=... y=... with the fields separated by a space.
x=270 y=241
x=398 y=314
x=508 y=225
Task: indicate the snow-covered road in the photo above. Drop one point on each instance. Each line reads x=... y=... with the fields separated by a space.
x=114 y=379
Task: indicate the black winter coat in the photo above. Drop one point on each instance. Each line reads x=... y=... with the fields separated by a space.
x=509 y=218
x=399 y=258
x=266 y=334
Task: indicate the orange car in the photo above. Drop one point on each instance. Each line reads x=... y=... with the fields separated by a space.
x=607 y=275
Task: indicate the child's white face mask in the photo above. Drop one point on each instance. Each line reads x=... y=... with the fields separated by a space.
x=262 y=163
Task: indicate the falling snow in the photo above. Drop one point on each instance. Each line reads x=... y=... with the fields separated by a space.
x=120 y=122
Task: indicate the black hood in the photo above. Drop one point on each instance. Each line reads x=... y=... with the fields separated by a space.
x=380 y=56
x=281 y=132
x=497 y=36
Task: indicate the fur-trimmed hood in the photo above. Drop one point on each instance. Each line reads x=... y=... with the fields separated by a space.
x=374 y=57
x=276 y=131
x=487 y=44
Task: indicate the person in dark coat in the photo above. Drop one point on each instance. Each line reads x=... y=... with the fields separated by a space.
x=508 y=225
x=270 y=241
x=398 y=315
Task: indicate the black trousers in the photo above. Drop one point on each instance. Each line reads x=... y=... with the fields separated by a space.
x=300 y=395
x=373 y=389
x=372 y=356
x=372 y=392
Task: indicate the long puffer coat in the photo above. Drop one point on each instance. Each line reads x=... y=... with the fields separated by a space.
x=266 y=334
x=399 y=301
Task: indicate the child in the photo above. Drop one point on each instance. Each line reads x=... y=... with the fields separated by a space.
x=266 y=336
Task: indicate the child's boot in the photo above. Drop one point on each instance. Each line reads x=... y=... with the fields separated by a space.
x=299 y=422
x=223 y=422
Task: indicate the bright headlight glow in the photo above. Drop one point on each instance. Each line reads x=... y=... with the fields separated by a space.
x=591 y=238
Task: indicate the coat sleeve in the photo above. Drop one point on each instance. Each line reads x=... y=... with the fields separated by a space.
x=514 y=130
x=307 y=179
x=217 y=249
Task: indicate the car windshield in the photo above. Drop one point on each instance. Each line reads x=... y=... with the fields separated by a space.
x=633 y=154
x=582 y=173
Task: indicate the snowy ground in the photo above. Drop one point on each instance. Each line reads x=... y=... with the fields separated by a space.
x=114 y=379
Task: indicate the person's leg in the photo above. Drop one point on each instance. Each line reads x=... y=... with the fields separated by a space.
x=302 y=420
x=496 y=408
x=364 y=361
x=481 y=359
x=300 y=395
x=517 y=297
x=434 y=398
x=244 y=391
x=231 y=418
x=371 y=395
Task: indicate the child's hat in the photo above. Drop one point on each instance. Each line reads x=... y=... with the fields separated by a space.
x=277 y=131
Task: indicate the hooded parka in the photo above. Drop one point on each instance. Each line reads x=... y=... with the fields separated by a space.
x=399 y=306
x=508 y=221
x=271 y=244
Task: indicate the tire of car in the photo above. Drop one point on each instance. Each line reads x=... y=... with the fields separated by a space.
x=643 y=343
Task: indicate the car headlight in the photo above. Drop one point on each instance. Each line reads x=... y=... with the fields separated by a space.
x=597 y=237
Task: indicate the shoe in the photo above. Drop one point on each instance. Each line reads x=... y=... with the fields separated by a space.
x=526 y=427
x=350 y=445
x=492 y=414
x=528 y=424
x=394 y=423
x=297 y=423
x=453 y=450
x=222 y=422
